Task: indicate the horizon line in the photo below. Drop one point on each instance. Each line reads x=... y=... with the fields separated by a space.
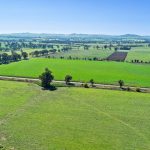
x=47 y=33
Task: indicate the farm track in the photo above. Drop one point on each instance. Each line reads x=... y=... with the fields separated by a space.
x=77 y=84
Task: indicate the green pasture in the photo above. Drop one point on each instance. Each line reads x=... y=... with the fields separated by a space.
x=139 y=53
x=80 y=53
x=72 y=119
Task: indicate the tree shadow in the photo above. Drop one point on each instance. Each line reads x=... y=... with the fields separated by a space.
x=51 y=88
x=71 y=84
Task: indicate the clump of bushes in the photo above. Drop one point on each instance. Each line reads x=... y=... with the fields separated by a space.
x=86 y=85
x=138 y=90
x=121 y=83
x=2 y=147
x=92 y=82
x=128 y=89
x=68 y=79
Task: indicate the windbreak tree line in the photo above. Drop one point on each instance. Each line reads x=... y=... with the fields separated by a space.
x=42 y=52
x=8 y=45
x=14 y=57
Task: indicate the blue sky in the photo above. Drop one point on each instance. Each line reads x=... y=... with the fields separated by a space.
x=75 y=16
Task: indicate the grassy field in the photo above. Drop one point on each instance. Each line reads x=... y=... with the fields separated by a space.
x=140 y=53
x=32 y=119
x=81 y=53
x=77 y=52
x=101 y=72
x=29 y=50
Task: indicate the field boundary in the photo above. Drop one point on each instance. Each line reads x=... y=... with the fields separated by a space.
x=76 y=84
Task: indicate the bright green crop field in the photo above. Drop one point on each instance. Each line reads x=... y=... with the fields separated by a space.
x=72 y=118
x=101 y=72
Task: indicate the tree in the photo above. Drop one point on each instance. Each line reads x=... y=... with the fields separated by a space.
x=92 y=82
x=36 y=53
x=86 y=47
x=15 y=57
x=97 y=47
x=4 y=58
x=68 y=78
x=95 y=58
x=105 y=46
x=121 y=83
x=46 y=78
x=24 y=55
x=116 y=48
x=86 y=85
x=53 y=51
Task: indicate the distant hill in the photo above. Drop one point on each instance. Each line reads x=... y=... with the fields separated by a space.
x=74 y=35
x=131 y=35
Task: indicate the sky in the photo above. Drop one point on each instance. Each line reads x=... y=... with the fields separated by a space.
x=111 y=17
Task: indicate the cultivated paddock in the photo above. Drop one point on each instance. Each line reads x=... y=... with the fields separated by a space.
x=117 y=56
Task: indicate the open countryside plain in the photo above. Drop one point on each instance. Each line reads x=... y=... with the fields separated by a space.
x=75 y=75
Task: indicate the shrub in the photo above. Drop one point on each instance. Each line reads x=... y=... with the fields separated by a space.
x=2 y=147
x=92 y=82
x=121 y=83
x=86 y=85
x=138 y=90
x=68 y=78
x=128 y=89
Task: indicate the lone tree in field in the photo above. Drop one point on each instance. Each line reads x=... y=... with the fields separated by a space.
x=68 y=78
x=121 y=83
x=46 y=78
x=92 y=82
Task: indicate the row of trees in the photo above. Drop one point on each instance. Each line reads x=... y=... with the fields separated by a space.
x=139 y=61
x=47 y=77
x=116 y=47
x=44 y=52
x=78 y=58
x=14 y=57
x=19 y=45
